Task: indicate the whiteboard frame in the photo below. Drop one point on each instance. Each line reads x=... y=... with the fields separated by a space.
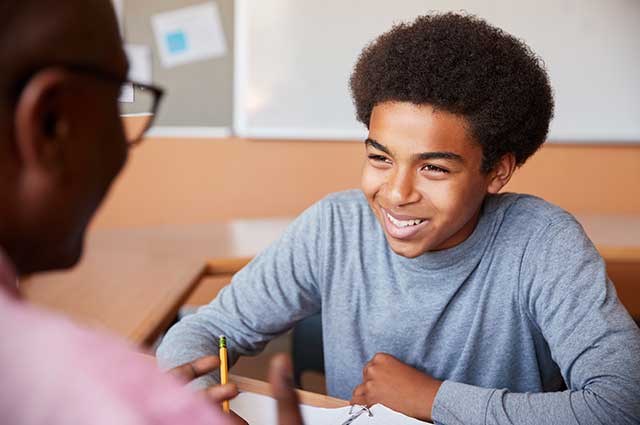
x=239 y=68
x=171 y=132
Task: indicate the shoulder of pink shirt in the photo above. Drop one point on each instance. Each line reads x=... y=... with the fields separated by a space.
x=57 y=372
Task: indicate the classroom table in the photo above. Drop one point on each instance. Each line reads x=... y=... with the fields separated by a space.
x=305 y=397
x=134 y=281
x=261 y=387
x=617 y=236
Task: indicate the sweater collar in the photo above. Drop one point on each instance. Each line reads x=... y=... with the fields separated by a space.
x=471 y=248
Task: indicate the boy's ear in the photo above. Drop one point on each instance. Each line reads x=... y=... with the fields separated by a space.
x=41 y=123
x=501 y=173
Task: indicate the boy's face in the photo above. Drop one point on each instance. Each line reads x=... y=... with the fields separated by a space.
x=422 y=177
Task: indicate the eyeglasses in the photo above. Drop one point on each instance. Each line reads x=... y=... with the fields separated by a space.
x=138 y=102
x=138 y=106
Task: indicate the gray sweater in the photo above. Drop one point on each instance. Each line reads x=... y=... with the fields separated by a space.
x=507 y=318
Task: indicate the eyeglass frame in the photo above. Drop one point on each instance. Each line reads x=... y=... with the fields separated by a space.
x=158 y=92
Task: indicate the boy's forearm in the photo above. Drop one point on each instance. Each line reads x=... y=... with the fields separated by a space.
x=458 y=403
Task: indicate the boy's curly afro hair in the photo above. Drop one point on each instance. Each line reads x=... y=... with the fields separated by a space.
x=461 y=64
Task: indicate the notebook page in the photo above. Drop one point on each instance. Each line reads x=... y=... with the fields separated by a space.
x=259 y=409
x=382 y=415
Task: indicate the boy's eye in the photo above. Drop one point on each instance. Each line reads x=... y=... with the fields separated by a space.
x=378 y=158
x=435 y=169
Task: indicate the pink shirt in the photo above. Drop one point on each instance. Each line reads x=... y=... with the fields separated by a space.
x=54 y=372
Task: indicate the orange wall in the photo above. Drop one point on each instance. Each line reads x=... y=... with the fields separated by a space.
x=200 y=180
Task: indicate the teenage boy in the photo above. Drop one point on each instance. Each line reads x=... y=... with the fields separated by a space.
x=440 y=297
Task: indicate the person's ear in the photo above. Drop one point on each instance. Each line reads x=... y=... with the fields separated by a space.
x=501 y=173
x=42 y=125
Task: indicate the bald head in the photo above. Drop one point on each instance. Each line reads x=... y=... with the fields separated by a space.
x=39 y=33
x=61 y=137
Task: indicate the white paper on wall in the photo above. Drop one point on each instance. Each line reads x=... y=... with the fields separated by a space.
x=189 y=34
x=140 y=64
x=118 y=6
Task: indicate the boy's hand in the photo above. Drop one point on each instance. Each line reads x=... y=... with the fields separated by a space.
x=215 y=394
x=386 y=380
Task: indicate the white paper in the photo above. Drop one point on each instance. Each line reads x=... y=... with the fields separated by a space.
x=189 y=34
x=140 y=64
x=126 y=93
x=258 y=409
x=118 y=6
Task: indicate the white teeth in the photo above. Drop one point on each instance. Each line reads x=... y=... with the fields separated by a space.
x=403 y=223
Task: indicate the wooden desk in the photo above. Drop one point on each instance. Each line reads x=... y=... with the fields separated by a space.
x=305 y=397
x=617 y=237
x=264 y=388
x=133 y=281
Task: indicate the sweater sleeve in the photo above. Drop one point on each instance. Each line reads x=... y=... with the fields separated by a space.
x=265 y=299
x=565 y=292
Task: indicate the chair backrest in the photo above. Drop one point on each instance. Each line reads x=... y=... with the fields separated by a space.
x=306 y=347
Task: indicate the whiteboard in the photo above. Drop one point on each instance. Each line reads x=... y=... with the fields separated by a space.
x=293 y=59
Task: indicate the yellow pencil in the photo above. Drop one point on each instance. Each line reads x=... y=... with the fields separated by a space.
x=224 y=368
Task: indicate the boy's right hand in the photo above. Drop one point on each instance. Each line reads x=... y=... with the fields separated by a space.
x=281 y=379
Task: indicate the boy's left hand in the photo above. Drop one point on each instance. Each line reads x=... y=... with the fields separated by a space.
x=388 y=381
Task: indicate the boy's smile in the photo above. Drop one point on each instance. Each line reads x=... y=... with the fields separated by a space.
x=402 y=226
x=422 y=177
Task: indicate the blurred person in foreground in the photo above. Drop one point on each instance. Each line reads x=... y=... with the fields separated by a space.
x=62 y=145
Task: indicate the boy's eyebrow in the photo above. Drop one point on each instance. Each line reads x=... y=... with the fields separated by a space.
x=376 y=145
x=440 y=155
x=422 y=156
